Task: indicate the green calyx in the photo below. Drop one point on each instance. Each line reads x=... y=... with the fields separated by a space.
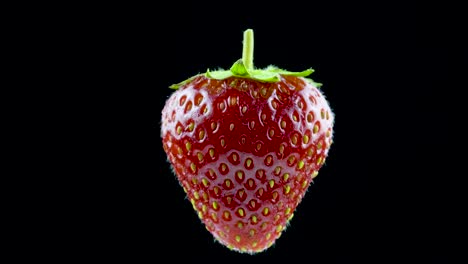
x=243 y=68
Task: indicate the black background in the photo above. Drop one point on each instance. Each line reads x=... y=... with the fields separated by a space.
x=390 y=72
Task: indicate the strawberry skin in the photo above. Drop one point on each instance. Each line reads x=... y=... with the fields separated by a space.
x=246 y=151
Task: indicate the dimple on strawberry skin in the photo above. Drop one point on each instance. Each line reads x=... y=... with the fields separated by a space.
x=245 y=144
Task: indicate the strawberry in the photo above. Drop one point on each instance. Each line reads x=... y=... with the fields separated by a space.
x=245 y=144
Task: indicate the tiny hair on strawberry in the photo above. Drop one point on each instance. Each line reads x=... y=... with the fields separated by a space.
x=245 y=144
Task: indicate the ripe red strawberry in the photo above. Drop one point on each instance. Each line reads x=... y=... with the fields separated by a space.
x=245 y=145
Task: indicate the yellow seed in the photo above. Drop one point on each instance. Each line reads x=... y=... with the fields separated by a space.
x=277 y=217
x=204 y=209
x=287 y=189
x=275 y=195
x=319 y=160
x=200 y=156
x=226 y=215
x=271 y=183
x=290 y=217
x=194 y=181
x=300 y=165
x=254 y=219
x=300 y=104
x=179 y=130
x=231 y=127
x=241 y=193
x=213 y=125
x=254 y=244
x=328 y=133
x=221 y=106
x=271 y=132
x=240 y=212
x=211 y=151
x=316 y=128
x=252 y=232
x=215 y=205
x=201 y=134
x=244 y=109
x=216 y=190
x=240 y=225
x=287 y=211
x=305 y=139
x=188 y=146
x=304 y=184
x=268 y=236
x=319 y=145
x=227 y=183
x=260 y=173
x=193 y=167
x=200 y=215
x=179 y=150
x=259 y=146
x=205 y=196
x=260 y=191
x=238 y=238
x=266 y=211
x=294 y=118
x=214 y=217
x=234 y=157
x=283 y=124
x=281 y=149
x=314 y=174
x=264 y=225
x=248 y=162
x=263 y=91
x=223 y=167
x=196 y=195
x=233 y=100
x=250 y=182
x=191 y=126
x=294 y=139
x=279 y=228
x=252 y=203
x=229 y=200
x=285 y=176
x=322 y=114
x=263 y=117
x=223 y=142
x=240 y=175
x=277 y=170
x=192 y=201
x=205 y=182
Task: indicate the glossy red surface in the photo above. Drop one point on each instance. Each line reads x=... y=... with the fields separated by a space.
x=245 y=152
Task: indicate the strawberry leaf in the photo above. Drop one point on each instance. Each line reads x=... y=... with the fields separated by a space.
x=243 y=68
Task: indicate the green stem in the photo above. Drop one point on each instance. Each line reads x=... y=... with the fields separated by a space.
x=247 y=53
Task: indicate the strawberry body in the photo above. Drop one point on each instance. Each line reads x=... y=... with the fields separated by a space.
x=246 y=151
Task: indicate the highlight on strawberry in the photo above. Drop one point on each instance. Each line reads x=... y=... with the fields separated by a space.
x=245 y=145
